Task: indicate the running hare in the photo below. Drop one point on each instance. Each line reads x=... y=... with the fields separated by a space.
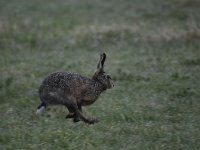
x=74 y=91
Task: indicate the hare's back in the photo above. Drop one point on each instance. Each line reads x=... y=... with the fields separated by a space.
x=61 y=79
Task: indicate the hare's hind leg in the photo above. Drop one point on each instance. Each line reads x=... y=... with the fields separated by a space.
x=72 y=114
x=41 y=108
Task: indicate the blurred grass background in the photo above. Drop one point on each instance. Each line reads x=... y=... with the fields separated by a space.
x=153 y=50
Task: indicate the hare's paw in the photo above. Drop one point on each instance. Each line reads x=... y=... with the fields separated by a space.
x=92 y=120
x=76 y=119
x=70 y=115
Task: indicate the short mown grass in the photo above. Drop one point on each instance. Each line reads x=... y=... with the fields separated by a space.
x=153 y=50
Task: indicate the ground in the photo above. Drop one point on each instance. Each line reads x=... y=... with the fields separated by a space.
x=153 y=54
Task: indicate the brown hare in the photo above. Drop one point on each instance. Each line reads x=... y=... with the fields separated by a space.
x=74 y=91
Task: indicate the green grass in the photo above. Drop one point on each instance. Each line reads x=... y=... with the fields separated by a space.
x=153 y=50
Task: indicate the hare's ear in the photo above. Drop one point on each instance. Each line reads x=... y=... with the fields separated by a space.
x=100 y=65
x=101 y=61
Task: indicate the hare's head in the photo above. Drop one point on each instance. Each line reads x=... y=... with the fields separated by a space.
x=100 y=76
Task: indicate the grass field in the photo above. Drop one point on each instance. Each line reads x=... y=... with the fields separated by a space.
x=153 y=50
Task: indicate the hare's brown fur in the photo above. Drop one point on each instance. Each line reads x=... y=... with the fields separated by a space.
x=74 y=90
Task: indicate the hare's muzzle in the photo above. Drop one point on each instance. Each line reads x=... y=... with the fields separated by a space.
x=111 y=84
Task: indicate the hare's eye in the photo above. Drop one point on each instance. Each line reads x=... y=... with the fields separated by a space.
x=108 y=77
x=105 y=77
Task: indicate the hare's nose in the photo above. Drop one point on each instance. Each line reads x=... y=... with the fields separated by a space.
x=113 y=85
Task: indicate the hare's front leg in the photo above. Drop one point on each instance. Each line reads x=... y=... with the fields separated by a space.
x=77 y=114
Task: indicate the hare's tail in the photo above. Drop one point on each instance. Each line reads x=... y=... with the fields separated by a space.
x=41 y=108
